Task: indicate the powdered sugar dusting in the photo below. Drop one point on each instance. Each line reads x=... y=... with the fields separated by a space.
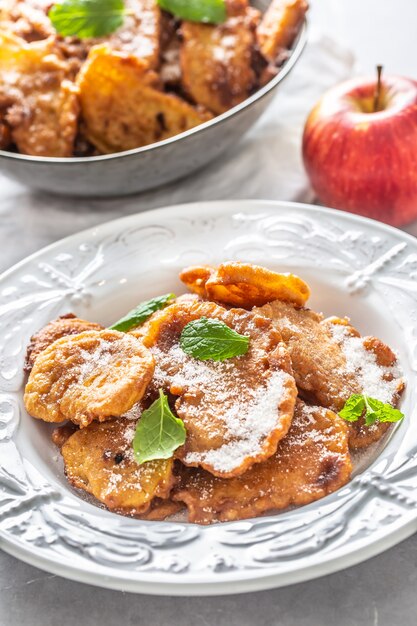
x=134 y=413
x=375 y=380
x=114 y=481
x=128 y=436
x=248 y=424
x=238 y=412
x=100 y=358
x=177 y=369
x=121 y=476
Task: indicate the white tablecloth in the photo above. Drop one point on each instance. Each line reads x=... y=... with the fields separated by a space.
x=266 y=164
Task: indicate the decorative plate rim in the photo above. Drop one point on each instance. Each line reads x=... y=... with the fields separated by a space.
x=44 y=525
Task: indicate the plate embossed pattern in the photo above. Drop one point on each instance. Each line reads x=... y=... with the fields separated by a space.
x=45 y=523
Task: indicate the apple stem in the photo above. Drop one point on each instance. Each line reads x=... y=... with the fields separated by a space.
x=377 y=94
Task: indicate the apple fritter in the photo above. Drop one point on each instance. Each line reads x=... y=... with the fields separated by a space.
x=216 y=61
x=311 y=461
x=195 y=278
x=280 y=26
x=235 y=411
x=91 y=376
x=28 y=20
x=41 y=104
x=99 y=459
x=140 y=331
x=244 y=284
x=331 y=361
x=141 y=31
x=123 y=106
x=139 y=34
x=61 y=327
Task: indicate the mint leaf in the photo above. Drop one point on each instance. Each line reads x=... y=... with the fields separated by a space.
x=353 y=408
x=206 y=11
x=158 y=432
x=87 y=18
x=373 y=410
x=140 y=314
x=377 y=411
x=212 y=339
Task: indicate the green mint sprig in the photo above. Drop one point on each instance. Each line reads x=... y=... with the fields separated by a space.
x=206 y=339
x=205 y=11
x=87 y=18
x=158 y=432
x=373 y=410
x=98 y=18
x=142 y=312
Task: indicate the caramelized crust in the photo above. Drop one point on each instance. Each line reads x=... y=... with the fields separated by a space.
x=216 y=61
x=123 y=106
x=63 y=326
x=280 y=26
x=41 y=104
x=311 y=461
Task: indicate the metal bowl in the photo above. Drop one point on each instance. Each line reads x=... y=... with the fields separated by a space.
x=144 y=168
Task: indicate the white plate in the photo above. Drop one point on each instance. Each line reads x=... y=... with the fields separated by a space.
x=355 y=266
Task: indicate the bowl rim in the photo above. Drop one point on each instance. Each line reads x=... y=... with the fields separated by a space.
x=288 y=65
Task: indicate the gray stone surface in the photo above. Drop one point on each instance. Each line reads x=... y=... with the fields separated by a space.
x=380 y=592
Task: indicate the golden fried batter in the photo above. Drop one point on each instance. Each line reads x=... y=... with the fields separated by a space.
x=311 y=461
x=41 y=104
x=279 y=27
x=123 y=106
x=139 y=34
x=99 y=459
x=91 y=376
x=195 y=277
x=235 y=411
x=65 y=325
x=244 y=284
x=331 y=362
x=140 y=331
x=28 y=20
x=216 y=61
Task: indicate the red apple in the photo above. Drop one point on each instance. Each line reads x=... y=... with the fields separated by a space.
x=360 y=148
